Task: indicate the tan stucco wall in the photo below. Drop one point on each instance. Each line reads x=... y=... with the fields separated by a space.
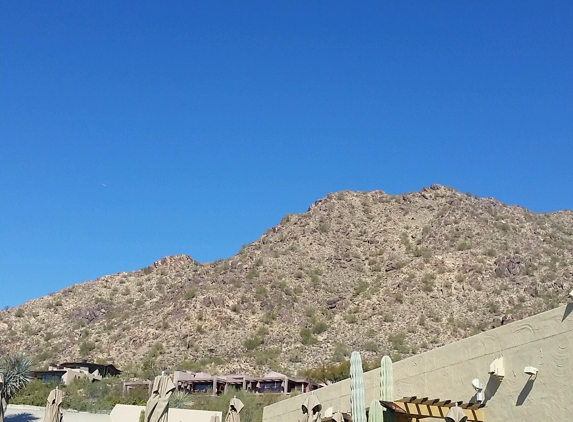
x=544 y=341
x=127 y=413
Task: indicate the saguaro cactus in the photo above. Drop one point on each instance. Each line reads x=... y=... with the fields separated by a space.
x=387 y=386
x=357 y=401
x=376 y=412
x=386 y=379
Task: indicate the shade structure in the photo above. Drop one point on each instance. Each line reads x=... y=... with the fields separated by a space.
x=158 y=404
x=214 y=418
x=235 y=407
x=53 y=406
x=3 y=403
x=311 y=409
x=456 y=414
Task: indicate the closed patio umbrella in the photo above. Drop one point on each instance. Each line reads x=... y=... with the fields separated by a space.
x=337 y=417
x=158 y=404
x=3 y=403
x=235 y=407
x=456 y=414
x=53 y=410
x=311 y=409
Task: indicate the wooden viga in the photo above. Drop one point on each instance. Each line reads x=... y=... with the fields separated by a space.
x=415 y=409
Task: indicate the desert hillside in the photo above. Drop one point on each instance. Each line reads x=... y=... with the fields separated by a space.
x=367 y=271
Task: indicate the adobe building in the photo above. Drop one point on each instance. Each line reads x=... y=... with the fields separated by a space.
x=525 y=369
x=66 y=372
x=273 y=382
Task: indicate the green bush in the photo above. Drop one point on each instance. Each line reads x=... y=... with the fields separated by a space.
x=306 y=337
x=190 y=294
x=261 y=293
x=253 y=342
x=361 y=287
x=371 y=346
x=319 y=327
x=463 y=246
x=86 y=347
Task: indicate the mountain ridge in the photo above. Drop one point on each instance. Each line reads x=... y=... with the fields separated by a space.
x=378 y=273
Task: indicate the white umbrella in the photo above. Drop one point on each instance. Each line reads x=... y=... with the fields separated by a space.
x=456 y=414
x=235 y=407
x=3 y=403
x=311 y=409
x=158 y=404
x=53 y=410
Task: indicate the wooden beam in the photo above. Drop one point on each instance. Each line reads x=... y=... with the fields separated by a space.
x=443 y=402
x=417 y=410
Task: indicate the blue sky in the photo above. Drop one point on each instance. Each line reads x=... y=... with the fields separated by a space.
x=134 y=130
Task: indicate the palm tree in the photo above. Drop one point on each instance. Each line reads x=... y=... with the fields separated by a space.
x=15 y=369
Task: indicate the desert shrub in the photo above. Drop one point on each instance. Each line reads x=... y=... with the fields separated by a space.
x=350 y=318
x=492 y=307
x=180 y=400
x=253 y=273
x=337 y=371
x=340 y=353
x=422 y=252
x=35 y=393
x=268 y=356
x=261 y=293
x=428 y=282
x=306 y=337
x=490 y=252
x=269 y=317
x=253 y=342
x=190 y=293
x=199 y=364
x=387 y=317
x=361 y=287
x=463 y=246
x=398 y=342
x=86 y=347
x=319 y=327
x=156 y=350
x=371 y=346
x=324 y=227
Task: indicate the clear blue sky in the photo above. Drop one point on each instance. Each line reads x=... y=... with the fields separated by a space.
x=134 y=130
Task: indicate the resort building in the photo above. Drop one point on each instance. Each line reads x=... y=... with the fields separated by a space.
x=518 y=372
x=68 y=371
x=273 y=382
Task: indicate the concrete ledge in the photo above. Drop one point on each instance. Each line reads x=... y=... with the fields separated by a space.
x=129 y=413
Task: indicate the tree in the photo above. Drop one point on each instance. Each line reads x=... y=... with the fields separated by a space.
x=15 y=369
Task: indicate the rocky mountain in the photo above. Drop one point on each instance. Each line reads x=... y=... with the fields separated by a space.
x=367 y=271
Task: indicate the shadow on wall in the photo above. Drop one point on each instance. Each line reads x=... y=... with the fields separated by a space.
x=568 y=310
x=525 y=391
x=21 y=417
x=491 y=388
